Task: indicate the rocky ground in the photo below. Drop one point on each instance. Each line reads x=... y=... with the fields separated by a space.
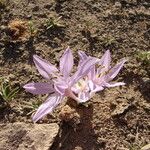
x=114 y=119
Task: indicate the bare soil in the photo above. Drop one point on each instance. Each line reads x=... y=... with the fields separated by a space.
x=114 y=119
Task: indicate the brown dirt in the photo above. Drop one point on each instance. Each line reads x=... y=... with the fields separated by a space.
x=114 y=119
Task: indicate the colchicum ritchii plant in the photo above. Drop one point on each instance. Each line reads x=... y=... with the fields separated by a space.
x=92 y=75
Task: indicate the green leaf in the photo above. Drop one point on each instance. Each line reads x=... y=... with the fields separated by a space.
x=13 y=93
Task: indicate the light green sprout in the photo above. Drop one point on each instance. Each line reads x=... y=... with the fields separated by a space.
x=144 y=57
x=6 y=91
x=52 y=23
x=32 y=28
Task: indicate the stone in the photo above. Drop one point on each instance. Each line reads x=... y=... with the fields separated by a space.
x=118 y=5
x=35 y=8
x=22 y=136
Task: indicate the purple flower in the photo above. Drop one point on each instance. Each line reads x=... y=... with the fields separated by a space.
x=99 y=76
x=59 y=82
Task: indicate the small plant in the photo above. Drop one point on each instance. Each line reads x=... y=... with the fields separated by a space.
x=6 y=92
x=32 y=29
x=52 y=23
x=87 y=29
x=88 y=25
x=108 y=40
x=144 y=57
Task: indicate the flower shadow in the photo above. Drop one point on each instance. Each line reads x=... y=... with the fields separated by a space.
x=81 y=136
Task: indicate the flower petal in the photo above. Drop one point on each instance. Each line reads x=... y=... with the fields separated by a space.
x=92 y=73
x=66 y=63
x=84 y=69
x=115 y=70
x=47 y=106
x=44 y=67
x=60 y=85
x=60 y=88
x=75 y=90
x=70 y=93
x=114 y=84
x=39 y=88
x=83 y=97
x=106 y=59
x=96 y=89
x=104 y=62
x=82 y=57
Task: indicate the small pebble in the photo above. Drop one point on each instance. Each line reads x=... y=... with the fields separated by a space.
x=48 y=6
x=118 y=5
x=36 y=8
x=131 y=137
x=29 y=16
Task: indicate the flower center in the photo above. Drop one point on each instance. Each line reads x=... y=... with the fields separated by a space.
x=81 y=84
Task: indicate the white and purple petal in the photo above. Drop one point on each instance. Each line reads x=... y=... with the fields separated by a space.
x=60 y=88
x=115 y=70
x=92 y=73
x=104 y=62
x=47 y=107
x=96 y=89
x=39 y=88
x=44 y=67
x=82 y=57
x=66 y=63
x=60 y=85
x=83 y=97
x=114 y=84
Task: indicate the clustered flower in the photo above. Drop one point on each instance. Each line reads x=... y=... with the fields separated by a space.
x=92 y=75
